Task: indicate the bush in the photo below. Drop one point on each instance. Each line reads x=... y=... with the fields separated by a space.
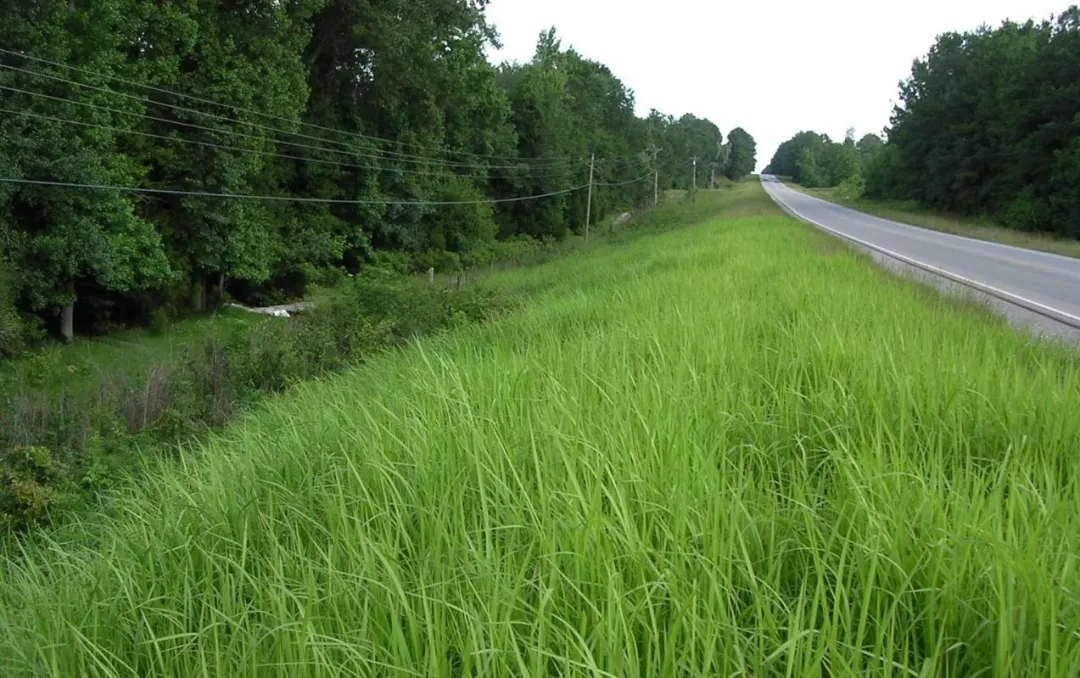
x=412 y=307
x=1024 y=212
x=476 y=303
x=58 y=451
x=32 y=485
x=12 y=331
x=852 y=188
x=440 y=260
x=398 y=262
x=159 y=320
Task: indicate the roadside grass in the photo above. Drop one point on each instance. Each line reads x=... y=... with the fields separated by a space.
x=721 y=450
x=88 y=362
x=908 y=212
x=79 y=420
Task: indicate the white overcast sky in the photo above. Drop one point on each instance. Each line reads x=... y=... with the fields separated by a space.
x=771 y=67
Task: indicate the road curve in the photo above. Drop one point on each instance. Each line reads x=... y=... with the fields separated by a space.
x=1047 y=284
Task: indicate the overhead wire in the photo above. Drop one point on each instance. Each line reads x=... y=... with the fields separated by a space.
x=557 y=167
x=208 y=144
x=332 y=201
x=271 y=116
x=530 y=174
x=285 y=198
x=190 y=125
x=146 y=100
x=623 y=183
x=349 y=152
x=384 y=154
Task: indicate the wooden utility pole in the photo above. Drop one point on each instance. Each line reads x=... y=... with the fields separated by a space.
x=712 y=180
x=656 y=176
x=695 y=172
x=588 y=205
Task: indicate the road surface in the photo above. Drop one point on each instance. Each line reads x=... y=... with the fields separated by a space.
x=1042 y=283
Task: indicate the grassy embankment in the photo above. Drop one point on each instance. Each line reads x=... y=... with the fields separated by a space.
x=79 y=419
x=908 y=212
x=731 y=449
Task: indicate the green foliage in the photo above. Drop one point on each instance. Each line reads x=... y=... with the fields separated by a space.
x=815 y=161
x=870 y=148
x=159 y=320
x=69 y=236
x=387 y=104
x=32 y=486
x=12 y=330
x=683 y=139
x=742 y=155
x=59 y=448
x=852 y=188
x=988 y=124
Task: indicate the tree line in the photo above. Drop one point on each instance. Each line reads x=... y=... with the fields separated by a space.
x=815 y=161
x=393 y=138
x=987 y=124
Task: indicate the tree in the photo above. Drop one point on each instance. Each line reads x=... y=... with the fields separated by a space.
x=814 y=160
x=986 y=125
x=742 y=157
x=200 y=122
x=250 y=59
x=869 y=147
x=65 y=241
x=804 y=158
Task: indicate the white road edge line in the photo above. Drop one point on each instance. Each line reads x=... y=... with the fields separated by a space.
x=1029 y=304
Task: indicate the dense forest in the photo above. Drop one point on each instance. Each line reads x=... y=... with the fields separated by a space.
x=987 y=124
x=157 y=156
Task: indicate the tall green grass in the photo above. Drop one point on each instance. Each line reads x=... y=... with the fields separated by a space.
x=730 y=450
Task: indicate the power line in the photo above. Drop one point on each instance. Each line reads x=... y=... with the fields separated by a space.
x=285 y=198
x=118 y=111
x=189 y=97
x=350 y=150
x=554 y=171
x=225 y=147
x=233 y=107
x=541 y=162
x=624 y=183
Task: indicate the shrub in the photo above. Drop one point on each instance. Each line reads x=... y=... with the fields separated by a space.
x=32 y=485
x=159 y=320
x=412 y=307
x=852 y=188
x=57 y=450
x=398 y=262
x=1024 y=212
x=12 y=332
x=476 y=303
x=440 y=260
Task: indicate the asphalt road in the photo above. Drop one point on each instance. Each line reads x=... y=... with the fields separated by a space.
x=1044 y=283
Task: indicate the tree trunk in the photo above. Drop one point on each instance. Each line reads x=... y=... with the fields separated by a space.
x=67 y=316
x=198 y=292
x=220 y=298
